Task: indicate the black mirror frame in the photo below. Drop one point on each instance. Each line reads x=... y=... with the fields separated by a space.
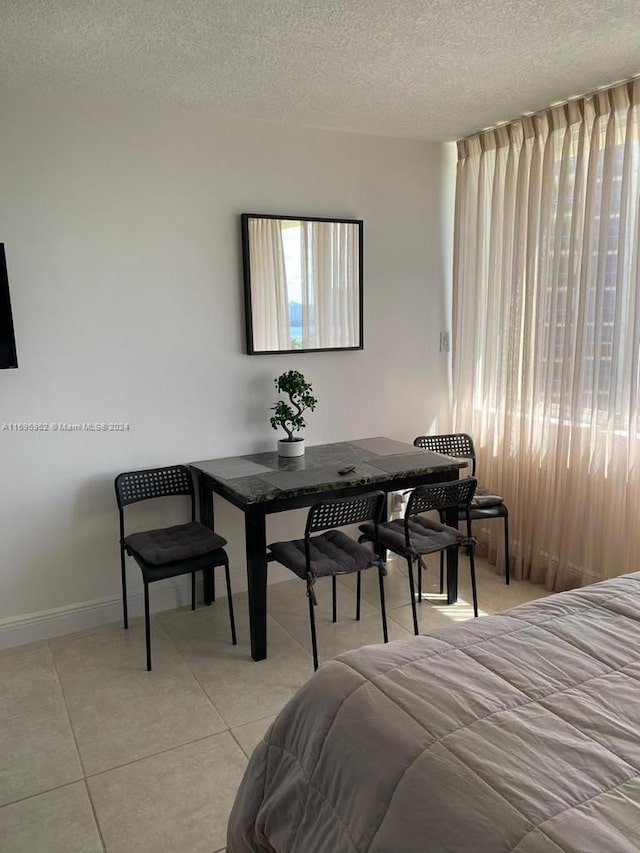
x=246 y=273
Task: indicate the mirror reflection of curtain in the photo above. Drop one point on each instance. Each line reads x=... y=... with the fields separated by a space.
x=330 y=284
x=269 y=295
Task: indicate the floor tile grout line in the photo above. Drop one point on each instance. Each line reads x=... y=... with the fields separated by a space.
x=85 y=633
x=240 y=747
x=193 y=675
x=290 y=635
x=251 y=722
x=22 y=648
x=275 y=619
x=369 y=615
x=196 y=679
x=179 y=654
x=259 y=720
x=95 y=814
x=66 y=710
x=154 y=754
x=86 y=776
x=49 y=646
x=298 y=643
x=97 y=630
x=376 y=604
x=77 y=746
x=229 y=727
x=85 y=779
x=40 y=793
x=400 y=625
x=248 y=722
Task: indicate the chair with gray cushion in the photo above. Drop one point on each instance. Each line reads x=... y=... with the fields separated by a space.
x=333 y=553
x=415 y=536
x=485 y=504
x=168 y=551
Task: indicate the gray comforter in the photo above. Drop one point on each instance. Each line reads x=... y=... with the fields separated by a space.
x=516 y=732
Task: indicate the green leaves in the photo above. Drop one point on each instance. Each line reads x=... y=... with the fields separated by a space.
x=299 y=391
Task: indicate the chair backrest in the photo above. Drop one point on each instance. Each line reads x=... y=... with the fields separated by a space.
x=452 y=444
x=344 y=511
x=134 y=486
x=441 y=496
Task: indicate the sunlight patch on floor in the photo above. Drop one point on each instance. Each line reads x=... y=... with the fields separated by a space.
x=458 y=612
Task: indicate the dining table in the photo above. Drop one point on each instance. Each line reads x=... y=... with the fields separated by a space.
x=263 y=483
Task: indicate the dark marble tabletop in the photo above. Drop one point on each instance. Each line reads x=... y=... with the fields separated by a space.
x=266 y=476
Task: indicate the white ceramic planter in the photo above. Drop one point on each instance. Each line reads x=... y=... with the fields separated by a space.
x=288 y=448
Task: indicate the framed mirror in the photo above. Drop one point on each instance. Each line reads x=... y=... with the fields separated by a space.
x=302 y=283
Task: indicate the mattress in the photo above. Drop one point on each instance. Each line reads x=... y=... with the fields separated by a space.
x=514 y=732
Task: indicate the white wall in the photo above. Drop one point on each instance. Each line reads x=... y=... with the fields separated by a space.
x=121 y=225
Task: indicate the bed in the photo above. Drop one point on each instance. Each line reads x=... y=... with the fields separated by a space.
x=514 y=732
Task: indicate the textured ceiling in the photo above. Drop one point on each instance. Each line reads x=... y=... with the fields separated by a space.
x=432 y=69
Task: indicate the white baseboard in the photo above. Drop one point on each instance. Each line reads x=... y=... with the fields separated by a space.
x=163 y=595
x=45 y=624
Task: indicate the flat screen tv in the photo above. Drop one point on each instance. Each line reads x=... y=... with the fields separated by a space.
x=8 y=356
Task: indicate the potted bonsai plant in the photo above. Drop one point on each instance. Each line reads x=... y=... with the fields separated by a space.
x=288 y=415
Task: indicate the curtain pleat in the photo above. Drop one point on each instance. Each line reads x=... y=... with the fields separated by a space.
x=330 y=284
x=547 y=333
x=269 y=296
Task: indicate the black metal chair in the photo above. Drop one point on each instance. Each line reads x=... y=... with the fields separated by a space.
x=484 y=504
x=414 y=536
x=168 y=551
x=333 y=552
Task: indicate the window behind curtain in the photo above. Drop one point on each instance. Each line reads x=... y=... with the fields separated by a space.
x=547 y=330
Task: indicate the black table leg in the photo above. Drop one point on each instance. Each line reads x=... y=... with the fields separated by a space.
x=205 y=496
x=451 y=520
x=256 y=548
x=384 y=516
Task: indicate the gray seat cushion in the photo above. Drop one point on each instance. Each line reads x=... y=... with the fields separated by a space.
x=483 y=499
x=332 y=553
x=173 y=544
x=426 y=536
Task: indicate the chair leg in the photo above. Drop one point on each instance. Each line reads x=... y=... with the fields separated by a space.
x=474 y=591
x=232 y=620
x=193 y=590
x=147 y=625
x=312 y=623
x=419 y=583
x=358 y=594
x=123 y=569
x=383 y=608
x=472 y=567
x=208 y=586
x=334 y=593
x=506 y=550
x=413 y=597
x=443 y=520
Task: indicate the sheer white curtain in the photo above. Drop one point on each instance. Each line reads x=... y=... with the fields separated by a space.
x=330 y=284
x=547 y=333
x=269 y=295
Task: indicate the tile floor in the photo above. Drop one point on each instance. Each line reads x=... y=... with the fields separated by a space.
x=96 y=754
